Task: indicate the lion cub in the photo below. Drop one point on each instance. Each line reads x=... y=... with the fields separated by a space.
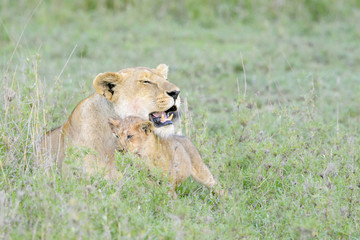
x=175 y=155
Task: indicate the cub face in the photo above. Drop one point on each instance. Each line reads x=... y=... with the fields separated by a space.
x=142 y=92
x=132 y=133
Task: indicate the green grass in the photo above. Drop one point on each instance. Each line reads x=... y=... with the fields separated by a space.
x=273 y=95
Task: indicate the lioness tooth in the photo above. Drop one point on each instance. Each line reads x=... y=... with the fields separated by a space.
x=171 y=116
x=163 y=117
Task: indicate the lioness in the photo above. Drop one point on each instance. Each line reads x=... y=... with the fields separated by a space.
x=139 y=91
x=174 y=155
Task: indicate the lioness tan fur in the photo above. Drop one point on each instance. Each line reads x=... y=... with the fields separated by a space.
x=175 y=155
x=136 y=91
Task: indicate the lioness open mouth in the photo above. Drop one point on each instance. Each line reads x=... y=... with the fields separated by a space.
x=161 y=119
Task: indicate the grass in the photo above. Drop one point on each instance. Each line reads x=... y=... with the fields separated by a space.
x=273 y=107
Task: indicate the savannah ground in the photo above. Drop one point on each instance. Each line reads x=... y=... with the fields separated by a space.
x=272 y=92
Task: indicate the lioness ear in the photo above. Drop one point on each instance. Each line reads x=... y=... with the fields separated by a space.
x=114 y=123
x=105 y=82
x=163 y=69
x=146 y=126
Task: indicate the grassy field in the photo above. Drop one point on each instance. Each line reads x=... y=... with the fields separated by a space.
x=273 y=93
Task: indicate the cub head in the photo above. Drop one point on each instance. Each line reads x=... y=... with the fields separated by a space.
x=142 y=92
x=132 y=133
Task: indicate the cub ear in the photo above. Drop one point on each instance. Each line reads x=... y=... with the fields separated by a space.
x=146 y=127
x=104 y=83
x=163 y=69
x=114 y=124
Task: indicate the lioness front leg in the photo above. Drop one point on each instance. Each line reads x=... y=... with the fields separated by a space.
x=199 y=171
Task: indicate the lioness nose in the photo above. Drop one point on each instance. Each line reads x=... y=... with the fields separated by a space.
x=174 y=94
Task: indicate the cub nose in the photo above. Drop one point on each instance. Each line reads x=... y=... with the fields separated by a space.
x=174 y=94
x=120 y=149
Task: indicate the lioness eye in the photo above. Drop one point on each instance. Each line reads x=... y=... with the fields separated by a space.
x=146 y=82
x=129 y=137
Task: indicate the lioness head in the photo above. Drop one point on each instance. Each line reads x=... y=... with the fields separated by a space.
x=132 y=133
x=142 y=92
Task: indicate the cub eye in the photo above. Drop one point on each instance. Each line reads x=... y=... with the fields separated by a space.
x=129 y=137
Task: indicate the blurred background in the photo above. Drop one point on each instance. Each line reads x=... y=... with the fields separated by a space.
x=284 y=47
